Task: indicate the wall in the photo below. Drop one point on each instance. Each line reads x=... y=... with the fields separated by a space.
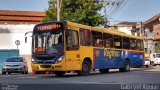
x=10 y=33
x=148 y=42
x=126 y=29
x=156 y=32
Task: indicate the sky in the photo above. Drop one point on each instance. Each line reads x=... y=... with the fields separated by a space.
x=138 y=10
x=24 y=5
x=133 y=11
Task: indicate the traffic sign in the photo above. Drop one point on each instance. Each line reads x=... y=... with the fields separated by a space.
x=17 y=42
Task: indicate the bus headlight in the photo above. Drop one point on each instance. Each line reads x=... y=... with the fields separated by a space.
x=59 y=59
x=33 y=61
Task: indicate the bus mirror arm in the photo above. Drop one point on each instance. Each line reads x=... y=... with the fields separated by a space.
x=26 y=35
x=25 y=39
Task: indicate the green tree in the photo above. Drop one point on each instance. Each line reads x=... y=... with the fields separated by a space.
x=157 y=47
x=79 y=11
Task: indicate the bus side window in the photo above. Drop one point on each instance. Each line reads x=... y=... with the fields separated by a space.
x=85 y=37
x=126 y=43
x=72 y=42
x=97 y=39
x=118 y=42
x=108 y=40
x=140 y=45
x=133 y=44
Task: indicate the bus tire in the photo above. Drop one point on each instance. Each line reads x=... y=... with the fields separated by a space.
x=126 y=67
x=86 y=67
x=103 y=70
x=59 y=73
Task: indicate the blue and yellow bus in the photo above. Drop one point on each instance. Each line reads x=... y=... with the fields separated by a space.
x=59 y=47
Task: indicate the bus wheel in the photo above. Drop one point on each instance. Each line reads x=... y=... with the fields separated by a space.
x=86 y=67
x=126 y=67
x=104 y=70
x=59 y=73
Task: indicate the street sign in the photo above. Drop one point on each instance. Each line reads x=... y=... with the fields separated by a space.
x=17 y=42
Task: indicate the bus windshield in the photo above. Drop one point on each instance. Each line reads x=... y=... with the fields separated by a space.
x=48 y=42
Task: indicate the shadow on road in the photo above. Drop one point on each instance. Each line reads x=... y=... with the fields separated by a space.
x=94 y=73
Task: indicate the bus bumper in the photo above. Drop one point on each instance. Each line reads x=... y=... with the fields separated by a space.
x=47 y=67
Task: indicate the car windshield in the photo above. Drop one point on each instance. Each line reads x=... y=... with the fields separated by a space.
x=48 y=42
x=14 y=60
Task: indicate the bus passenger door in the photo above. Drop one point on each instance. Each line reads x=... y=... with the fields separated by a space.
x=72 y=50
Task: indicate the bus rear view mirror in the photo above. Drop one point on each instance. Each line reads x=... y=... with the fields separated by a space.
x=26 y=35
x=25 y=39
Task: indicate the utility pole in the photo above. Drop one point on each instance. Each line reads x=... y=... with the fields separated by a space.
x=105 y=14
x=58 y=10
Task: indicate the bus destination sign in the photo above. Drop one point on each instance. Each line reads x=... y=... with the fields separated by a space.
x=49 y=27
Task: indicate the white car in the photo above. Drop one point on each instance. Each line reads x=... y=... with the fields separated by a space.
x=147 y=62
x=15 y=65
x=155 y=58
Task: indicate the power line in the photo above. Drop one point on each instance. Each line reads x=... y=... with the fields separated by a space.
x=114 y=5
x=123 y=3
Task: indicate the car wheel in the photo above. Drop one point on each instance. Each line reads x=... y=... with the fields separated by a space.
x=9 y=72
x=26 y=72
x=23 y=72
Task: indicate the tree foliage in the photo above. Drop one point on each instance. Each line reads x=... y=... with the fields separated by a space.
x=157 y=47
x=79 y=11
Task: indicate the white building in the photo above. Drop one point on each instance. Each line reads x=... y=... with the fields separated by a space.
x=14 y=25
x=9 y=33
x=131 y=28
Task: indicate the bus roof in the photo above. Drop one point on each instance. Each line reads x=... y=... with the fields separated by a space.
x=104 y=30
x=99 y=29
x=78 y=25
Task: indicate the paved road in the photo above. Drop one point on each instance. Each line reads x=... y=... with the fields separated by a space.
x=112 y=80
